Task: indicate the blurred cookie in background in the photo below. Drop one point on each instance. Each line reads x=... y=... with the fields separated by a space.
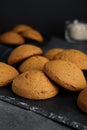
x=11 y=38
x=21 y=27
x=33 y=34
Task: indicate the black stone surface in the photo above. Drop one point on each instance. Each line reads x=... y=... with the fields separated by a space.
x=61 y=108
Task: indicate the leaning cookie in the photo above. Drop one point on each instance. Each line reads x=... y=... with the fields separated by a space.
x=22 y=52
x=74 y=56
x=35 y=85
x=33 y=34
x=7 y=74
x=34 y=62
x=11 y=38
x=52 y=52
x=82 y=100
x=21 y=27
x=66 y=74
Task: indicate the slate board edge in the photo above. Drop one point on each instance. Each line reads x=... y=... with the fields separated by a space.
x=58 y=118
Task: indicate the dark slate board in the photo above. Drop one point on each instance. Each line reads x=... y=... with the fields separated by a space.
x=61 y=108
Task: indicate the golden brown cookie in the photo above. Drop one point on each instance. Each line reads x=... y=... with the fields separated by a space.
x=34 y=62
x=22 y=52
x=33 y=35
x=11 y=38
x=7 y=74
x=21 y=27
x=52 y=52
x=75 y=56
x=66 y=74
x=33 y=84
x=82 y=100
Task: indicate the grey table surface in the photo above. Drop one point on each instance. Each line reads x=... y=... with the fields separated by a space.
x=16 y=118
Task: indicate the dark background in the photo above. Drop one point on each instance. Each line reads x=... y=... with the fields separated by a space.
x=48 y=16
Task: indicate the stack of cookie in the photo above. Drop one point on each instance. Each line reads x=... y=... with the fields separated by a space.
x=32 y=83
x=19 y=33
x=37 y=73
